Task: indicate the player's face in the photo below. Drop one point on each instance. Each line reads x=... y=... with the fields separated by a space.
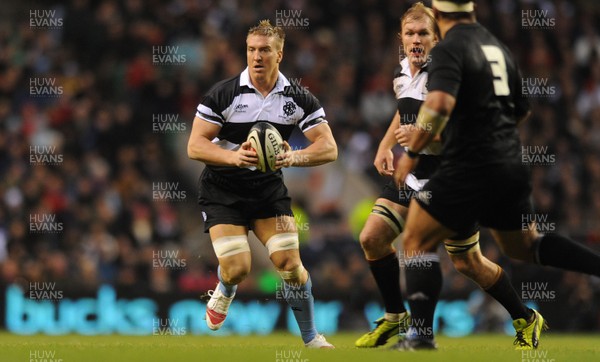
x=417 y=38
x=263 y=57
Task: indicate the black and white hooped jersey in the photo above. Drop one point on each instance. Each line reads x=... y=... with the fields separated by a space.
x=411 y=92
x=235 y=105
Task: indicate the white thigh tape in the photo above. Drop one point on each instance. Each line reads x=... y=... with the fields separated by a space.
x=231 y=245
x=293 y=274
x=284 y=241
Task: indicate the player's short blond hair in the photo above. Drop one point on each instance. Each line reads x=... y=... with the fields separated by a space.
x=265 y=28
x=418 y=12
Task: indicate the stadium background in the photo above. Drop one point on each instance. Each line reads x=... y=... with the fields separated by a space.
x=98 y=196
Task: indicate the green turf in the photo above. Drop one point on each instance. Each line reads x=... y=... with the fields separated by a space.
x=284 y=348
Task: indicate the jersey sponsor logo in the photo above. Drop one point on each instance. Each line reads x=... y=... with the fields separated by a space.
x=289 y=108
x=241 y=108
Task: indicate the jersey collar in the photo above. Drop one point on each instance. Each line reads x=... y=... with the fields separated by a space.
x=406 y=68
x=281 y=83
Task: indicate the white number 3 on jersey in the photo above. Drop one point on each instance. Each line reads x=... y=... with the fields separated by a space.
x=495 y=57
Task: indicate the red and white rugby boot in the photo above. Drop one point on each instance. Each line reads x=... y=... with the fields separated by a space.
x=216 y=308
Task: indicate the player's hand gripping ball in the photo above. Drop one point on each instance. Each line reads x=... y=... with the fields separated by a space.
x=268 y=143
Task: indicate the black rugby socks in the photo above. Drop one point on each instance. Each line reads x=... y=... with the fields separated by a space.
x=504 y=292
x=423 y=286
x=560 y=252
x=386 y=272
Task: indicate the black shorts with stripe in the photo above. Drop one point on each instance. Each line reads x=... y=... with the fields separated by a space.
x=390 y=192
x=497 y=197
x=239 y=202
x=403 y=196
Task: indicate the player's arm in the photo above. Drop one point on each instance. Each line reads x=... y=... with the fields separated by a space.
x=322 y=149
x=201 y=148
x=432 y=118
x=389 y=139
x=405 y=132
x=384 y=159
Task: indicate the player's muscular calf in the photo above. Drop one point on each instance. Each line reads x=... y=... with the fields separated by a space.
x=476 y=267
x=517 y=244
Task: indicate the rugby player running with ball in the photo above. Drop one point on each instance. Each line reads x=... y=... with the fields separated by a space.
x=235 y=197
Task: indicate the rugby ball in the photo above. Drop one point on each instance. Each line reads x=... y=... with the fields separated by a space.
x=268 y=143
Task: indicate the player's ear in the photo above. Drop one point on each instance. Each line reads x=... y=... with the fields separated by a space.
x=279 y=55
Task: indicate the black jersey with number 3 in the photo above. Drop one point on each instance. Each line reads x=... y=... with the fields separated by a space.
x=478 y=70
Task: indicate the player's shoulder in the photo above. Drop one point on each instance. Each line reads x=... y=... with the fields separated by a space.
x=300 y=94
x=451 y=43
x=226 y=85
x=398 y=71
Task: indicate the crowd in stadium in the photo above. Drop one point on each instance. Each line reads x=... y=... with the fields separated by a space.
x=103 y=158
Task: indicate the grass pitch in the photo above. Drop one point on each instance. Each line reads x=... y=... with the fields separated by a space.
x=283 y=347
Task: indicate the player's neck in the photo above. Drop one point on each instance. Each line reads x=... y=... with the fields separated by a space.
x=265 y=84
x=414 y=69
x=446 y=25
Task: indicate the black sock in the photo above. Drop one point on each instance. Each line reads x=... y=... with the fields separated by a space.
x=504 y=292
x=423 y=286
x=560 y=252
x=386 y=272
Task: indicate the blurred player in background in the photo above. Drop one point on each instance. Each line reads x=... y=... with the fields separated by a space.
x=235 y=197
x=476 y=99
x=419 y=34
